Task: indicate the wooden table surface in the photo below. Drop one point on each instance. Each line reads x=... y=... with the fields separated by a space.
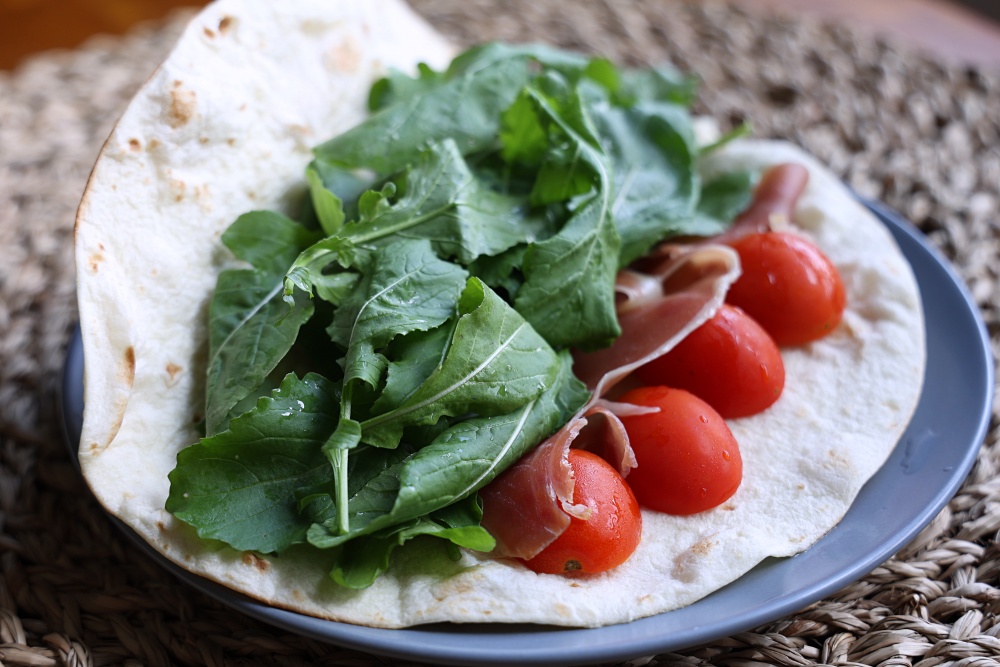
x=940 y=26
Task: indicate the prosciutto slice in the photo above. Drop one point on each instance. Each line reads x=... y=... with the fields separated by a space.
x=531 y=503
x=671 y=293
x=773 y=202
x=658 y=309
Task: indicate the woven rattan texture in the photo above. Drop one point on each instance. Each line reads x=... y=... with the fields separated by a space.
x=922 y=136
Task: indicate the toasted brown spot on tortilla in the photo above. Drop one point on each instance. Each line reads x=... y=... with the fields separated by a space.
x=203 y=140
x=225 y=24
x=129 y=365
x=152 y=145
x=703 y=547
x=203 y=196
x=297 y=594
x=231 y=141
x=687 y=562
x=253 y=559
x=837 y=460
x=161 y=527
x=134 y=144
x=178 y=188
x=182 y=106
x=173 y=370
x=344 y=57
x=209 y=33
x=94 y=261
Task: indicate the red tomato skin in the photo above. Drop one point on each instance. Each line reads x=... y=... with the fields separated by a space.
x=688 y=459
x=608 y=537
x=730 y=362
x=789 y=286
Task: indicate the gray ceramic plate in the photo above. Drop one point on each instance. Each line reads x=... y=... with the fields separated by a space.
x=924 y=472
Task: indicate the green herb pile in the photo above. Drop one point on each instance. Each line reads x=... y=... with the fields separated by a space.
x=407 y=339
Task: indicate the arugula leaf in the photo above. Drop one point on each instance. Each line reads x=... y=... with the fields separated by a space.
x=328 y=206
x=414 y=358
x=362 y=560
x=407 y=288
x=496 y=363
x=465 y=105
x=459 y=462
x=742 y=130
x=663 y=83
x=444 y=202
x=722 y=199
x=250 y=328
x=334 y=192
x=239 y=486
x=307 y=271
x=473 y=452
x=501 y=272
x=397 y=86
x=568 y=289
x=652 y=148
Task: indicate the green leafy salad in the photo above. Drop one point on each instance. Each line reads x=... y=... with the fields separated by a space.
x=377 y=361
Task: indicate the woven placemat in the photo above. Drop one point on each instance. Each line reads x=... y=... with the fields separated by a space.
x=920 y=135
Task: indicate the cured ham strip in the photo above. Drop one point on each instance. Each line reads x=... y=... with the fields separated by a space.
x=605 y=434
x=773 y=202
x=690 y=284
x=529 y=505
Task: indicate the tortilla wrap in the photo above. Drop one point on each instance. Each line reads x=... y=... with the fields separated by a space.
x=226 y=126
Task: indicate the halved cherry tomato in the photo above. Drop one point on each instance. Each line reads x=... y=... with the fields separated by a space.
x=730 y=362
x=789 y=286
x=609 y=536
x=688 y=460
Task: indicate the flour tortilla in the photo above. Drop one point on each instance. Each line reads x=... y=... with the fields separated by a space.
x=225 y=126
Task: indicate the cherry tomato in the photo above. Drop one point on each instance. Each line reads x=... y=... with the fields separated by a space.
x=730 y=362
x=789 y=286
x=609 y=536
x=688 y=460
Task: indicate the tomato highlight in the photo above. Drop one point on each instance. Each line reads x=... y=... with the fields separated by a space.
x=789 y=286
x=608 y=537
x=688 y=459
x=730 y=362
